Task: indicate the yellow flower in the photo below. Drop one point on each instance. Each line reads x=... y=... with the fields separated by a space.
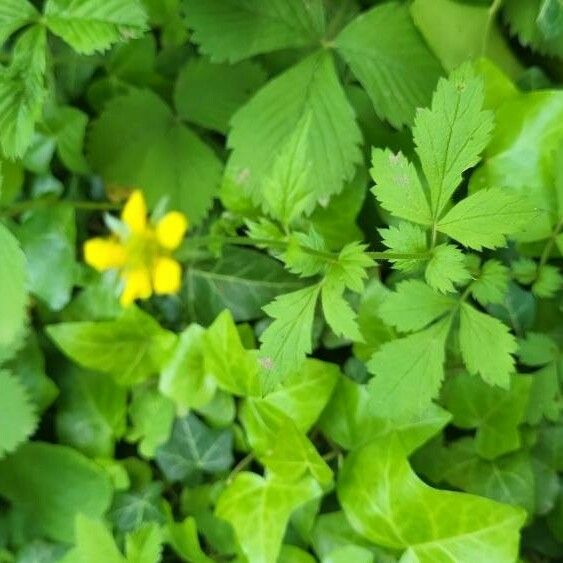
x=142 y=254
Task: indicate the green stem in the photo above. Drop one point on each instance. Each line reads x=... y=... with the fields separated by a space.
x=240 y=466
x=29 y=205
x=549 y=244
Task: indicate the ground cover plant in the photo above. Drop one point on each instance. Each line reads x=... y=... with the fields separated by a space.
x=281 y=281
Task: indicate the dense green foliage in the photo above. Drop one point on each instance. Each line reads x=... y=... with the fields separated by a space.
x=363 y=363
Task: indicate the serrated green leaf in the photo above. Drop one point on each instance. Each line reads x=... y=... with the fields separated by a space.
x=259 y=509
x=548 y=282
x=349 y=269
x=407 y=239
x=451 y=134
x=426 y=524
x=13 y=296
x=22 y=92
x=17 y=415
x=232 y=30
x=398 y=187
x=491 y=286
x=486 y=346
x=59 y=482
x=130 y=348
x=414 y=305
x=161 y=156
x=338 y=313
x=209 y=94
x=267 y=121
x=537 y=349
x=495 y=413
x=381 y=47
x=287 y=341
x=409 y=371
x=94 y=25
x=485 y=218
x=446 y=268
x=13 y=15
x=193 y=448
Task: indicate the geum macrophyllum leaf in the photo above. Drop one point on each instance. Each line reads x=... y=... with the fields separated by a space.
x=391 y=60
x=409 y=371
x=451 y=134
x=232 y=30
x=93 y=25
x=426 y=524
x=13 y=15
x=446 y=268
x=259 y=509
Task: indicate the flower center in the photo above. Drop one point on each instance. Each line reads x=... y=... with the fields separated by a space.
x=142 y=250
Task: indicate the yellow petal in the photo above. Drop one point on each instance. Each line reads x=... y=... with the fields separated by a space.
x=137 y=286
x=104 y=254
x=171 y=229
x=166 y=276
x=134 y=214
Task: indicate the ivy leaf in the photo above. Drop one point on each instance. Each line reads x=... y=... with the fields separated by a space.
x=161 y=155
x=234 y=368
x=496 y=413
x=451 y=134
x=259 y=509
x=184 y=540
x=13 y=15
x=414 y=305
x=230 y=85
x=17 y=415
x=193 y=448
x=231 y=30
x=132 y=509
x=398 y=187
x=381 y=47
x=268 y=120
x=426 y=524
x=446 y=268
x=485 y=218
x=144 y=545
x=241 y=280
x=59 y=482
x=22 y=92
x=13 y=296
x=94 y=25
x=130 y=348
x=409 y=371
x=287 y=341
x=486 y=346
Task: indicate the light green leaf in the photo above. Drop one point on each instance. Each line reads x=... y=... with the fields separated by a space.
x=144 y=545
x=13 y=15
x=537 y=349
x=183 y=378
x=268 y=120
x=22 y=92
x=409 y=371
x=446 y=268
x=427 y=524
x=485 y=218
x=151 y=415
x=241 y=280
x=486 y=346
x=208 y=94
x=352 y=419
x=17 y=415
x=161 y=155
x=94 y=542
x=548 y=282
x=13 y=296
x=231 y=30
x=94 y=25
x=451 y=134
x=48 y=239
x=405 y=238
x=495 y=413
x=287 y=341
x=491 y=286
x=398 y=187
x=414 y=305
x=391 y=60
x=192 y=448
x=338 y=313
x=59 y=482
x=235 y=369
x=91 y=412
x=258 y=509
x=185 y=542
x=545 y=395
x=130 y=348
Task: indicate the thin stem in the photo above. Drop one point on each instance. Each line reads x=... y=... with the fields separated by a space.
x=546 y=253
x=240 y=466
x=29 y=205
